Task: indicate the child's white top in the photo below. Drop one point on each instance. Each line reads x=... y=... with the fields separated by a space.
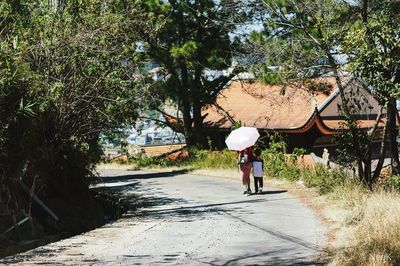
x=258 y=168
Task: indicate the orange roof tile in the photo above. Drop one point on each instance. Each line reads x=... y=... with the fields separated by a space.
x=338 y=124
x=264 y=106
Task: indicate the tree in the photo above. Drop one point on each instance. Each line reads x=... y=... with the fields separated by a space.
x=374 y=54
x=305 y=38
x=64 y=80
x=192 y=43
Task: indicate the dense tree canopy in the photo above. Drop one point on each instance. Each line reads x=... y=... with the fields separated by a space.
x=64 y=79
x=373 y=46
x=192 y=43
x=305 y=39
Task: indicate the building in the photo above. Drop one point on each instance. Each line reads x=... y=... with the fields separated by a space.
x=306 y=114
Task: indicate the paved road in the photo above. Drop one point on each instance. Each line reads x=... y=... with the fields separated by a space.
x=192 y=220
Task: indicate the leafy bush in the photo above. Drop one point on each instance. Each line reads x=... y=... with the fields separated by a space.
x=157 y=162
x=60 y=87
x=393 y=183
x=276 y=164
x=324 y=179
x=279 y=165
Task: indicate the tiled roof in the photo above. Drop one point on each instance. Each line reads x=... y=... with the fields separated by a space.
x=338 y=124
x=270 y=107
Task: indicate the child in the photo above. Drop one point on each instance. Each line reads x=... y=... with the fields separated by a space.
x=258 y=173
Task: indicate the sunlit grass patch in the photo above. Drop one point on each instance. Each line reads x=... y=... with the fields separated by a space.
x=214 y=159
x=373 y=230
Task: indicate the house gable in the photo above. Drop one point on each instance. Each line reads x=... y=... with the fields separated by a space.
x=362 y=103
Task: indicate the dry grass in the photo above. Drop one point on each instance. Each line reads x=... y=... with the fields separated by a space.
x=369 y=227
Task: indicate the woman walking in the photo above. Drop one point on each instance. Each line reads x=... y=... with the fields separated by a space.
x=244 y=160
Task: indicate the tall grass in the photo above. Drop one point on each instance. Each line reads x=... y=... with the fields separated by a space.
x=374 y=219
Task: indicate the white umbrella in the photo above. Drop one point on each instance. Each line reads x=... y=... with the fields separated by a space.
x=241 y=138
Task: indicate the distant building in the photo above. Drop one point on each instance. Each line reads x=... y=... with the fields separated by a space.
x=149 y=133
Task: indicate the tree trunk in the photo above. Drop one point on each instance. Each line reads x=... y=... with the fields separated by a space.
x=197 y=104
x=364 y=12
x=187 y=123
x=198 y=125
x=360 y=170
x=183 y=95
x=392 y=130
x=382 y=154
x=367 y=171
x=187 y=118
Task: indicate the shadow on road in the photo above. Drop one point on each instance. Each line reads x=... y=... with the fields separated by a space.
x=154 y=205
x=191 y=211
x=273 y=192
x=280 y=235
x=138 y=176
x=273 y=258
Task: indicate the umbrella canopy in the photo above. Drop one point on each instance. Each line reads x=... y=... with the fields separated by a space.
x=241 y=138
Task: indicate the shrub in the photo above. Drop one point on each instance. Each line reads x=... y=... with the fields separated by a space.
x=198 y=159
x=324 y=179
x=276 y=164
x=155 y=162
x=393 y=183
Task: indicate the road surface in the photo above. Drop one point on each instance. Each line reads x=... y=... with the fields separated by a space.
x=183 y=219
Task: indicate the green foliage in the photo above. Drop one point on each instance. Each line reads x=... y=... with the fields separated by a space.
x=187 y=51
x=279 y=165
x=225 y=159
x=63 y=81
x=199 y=159
x=301 y=41
x=267 y=75
x=299 y=152
x=373 y=44
x=189 y=39
x=374 y=47
x=236 y=125
x=351 y=144
x=393 y=183
x=276 y=163
x=296 y=37
x=323 y=179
